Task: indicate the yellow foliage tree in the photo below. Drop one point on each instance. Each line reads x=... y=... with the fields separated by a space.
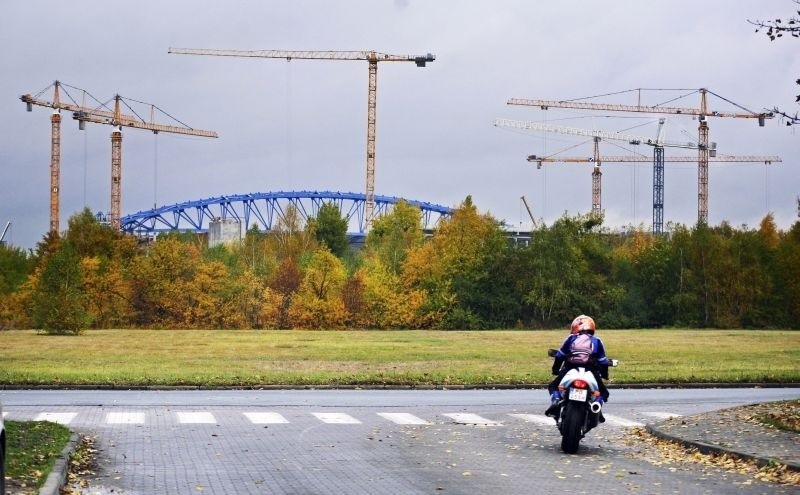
x=318 y=302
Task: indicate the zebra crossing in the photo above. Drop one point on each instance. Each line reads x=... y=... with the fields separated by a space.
x=328 y=417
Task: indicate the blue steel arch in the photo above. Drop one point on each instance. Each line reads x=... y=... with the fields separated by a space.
x=267 y=208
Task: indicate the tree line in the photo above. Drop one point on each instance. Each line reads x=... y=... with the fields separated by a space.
x=467 y=275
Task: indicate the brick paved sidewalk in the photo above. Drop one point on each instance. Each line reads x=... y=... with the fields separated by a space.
x=735 y=431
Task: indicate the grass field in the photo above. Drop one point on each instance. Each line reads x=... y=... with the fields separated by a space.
x=250 y=358
x=33 y=447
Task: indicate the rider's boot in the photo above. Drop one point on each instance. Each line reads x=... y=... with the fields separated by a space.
x=555 y=402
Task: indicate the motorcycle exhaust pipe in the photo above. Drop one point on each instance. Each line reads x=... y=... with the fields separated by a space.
x=595 y=407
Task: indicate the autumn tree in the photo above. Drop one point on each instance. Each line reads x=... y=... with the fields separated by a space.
x=394 y=233
x=318 y=302
x=455 y=268
x=292 y=236
x=105 y=257
x=161 y=280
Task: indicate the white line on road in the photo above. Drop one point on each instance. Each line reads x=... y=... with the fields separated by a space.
x=662 y=415
x=536 y=418
x=471 y=419
x=616 y=420
x=403 y=418
x=60 y=418
x=337 y=418
x=126 y=418
x=194 y=417
x=263 y=418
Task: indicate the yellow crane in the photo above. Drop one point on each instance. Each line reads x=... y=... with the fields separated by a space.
x=83 y=113
x=702 y=113
x=658 y=143
x=55 y=138
x=119 y=120
x=371 y=57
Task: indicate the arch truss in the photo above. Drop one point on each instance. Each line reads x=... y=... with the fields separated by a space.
x=267 y=209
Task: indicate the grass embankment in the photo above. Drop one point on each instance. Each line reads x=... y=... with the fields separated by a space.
x=407 y=358
x=33 y=447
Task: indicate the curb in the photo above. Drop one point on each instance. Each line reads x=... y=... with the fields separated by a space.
x=484 y=386
x=707 y=448
x=58 y=475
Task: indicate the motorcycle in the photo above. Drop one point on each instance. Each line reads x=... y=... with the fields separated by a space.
x=580 y=410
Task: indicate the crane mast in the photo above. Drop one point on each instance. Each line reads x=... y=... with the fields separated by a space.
x=83 y=114
x=703 y=144
x=55 y=143
x=371 y=57
x=119 y=120
x=658 y=158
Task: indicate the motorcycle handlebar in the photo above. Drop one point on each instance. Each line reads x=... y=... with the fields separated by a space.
x=552 y=353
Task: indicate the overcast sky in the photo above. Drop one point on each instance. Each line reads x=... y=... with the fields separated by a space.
x=302 y=124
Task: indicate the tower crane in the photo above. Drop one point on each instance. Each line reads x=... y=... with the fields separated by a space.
x=119 y=120
x=658 y=143
x=370 y=56
x=702 y=113
x=658 y=159
x=658 y=176
x=55 y=139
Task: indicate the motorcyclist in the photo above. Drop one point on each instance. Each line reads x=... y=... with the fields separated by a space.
x=598 y=363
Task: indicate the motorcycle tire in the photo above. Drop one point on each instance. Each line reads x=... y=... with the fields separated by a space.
x=572 y=420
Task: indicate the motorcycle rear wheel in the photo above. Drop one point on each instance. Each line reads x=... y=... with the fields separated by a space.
x=573 y=418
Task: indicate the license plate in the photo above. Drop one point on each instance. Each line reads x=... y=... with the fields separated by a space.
x=578 y=394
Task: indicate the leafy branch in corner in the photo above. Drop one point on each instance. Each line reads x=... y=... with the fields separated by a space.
x=776 y=29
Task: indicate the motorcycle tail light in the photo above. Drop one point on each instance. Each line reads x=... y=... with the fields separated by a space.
x=580 y=384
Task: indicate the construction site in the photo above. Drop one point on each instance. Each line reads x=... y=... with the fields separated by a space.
x=276 y=100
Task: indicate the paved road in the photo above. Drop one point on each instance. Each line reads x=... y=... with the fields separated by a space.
x=383 y=442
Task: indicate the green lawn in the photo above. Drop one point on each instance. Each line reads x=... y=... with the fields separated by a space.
x=408 y=358
x=33 y=447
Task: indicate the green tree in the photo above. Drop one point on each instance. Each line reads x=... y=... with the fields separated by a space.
x=558 y=268
x=331 y=229
x=787 y=275
x=16 y=265
x=59 y=303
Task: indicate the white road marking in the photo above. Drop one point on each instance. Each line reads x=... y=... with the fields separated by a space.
x=616 y=420
x=403 y=418
x=196 y=418
x=536 y=418
x=662 y=415
x=337 y=418
x=262 y=418
x=60 y=418
x=471 y=419
x=126 y=418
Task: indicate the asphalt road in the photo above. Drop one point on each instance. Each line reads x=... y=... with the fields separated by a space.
x=381 y=442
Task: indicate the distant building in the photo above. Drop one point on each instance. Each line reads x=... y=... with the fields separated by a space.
x=224 y=231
